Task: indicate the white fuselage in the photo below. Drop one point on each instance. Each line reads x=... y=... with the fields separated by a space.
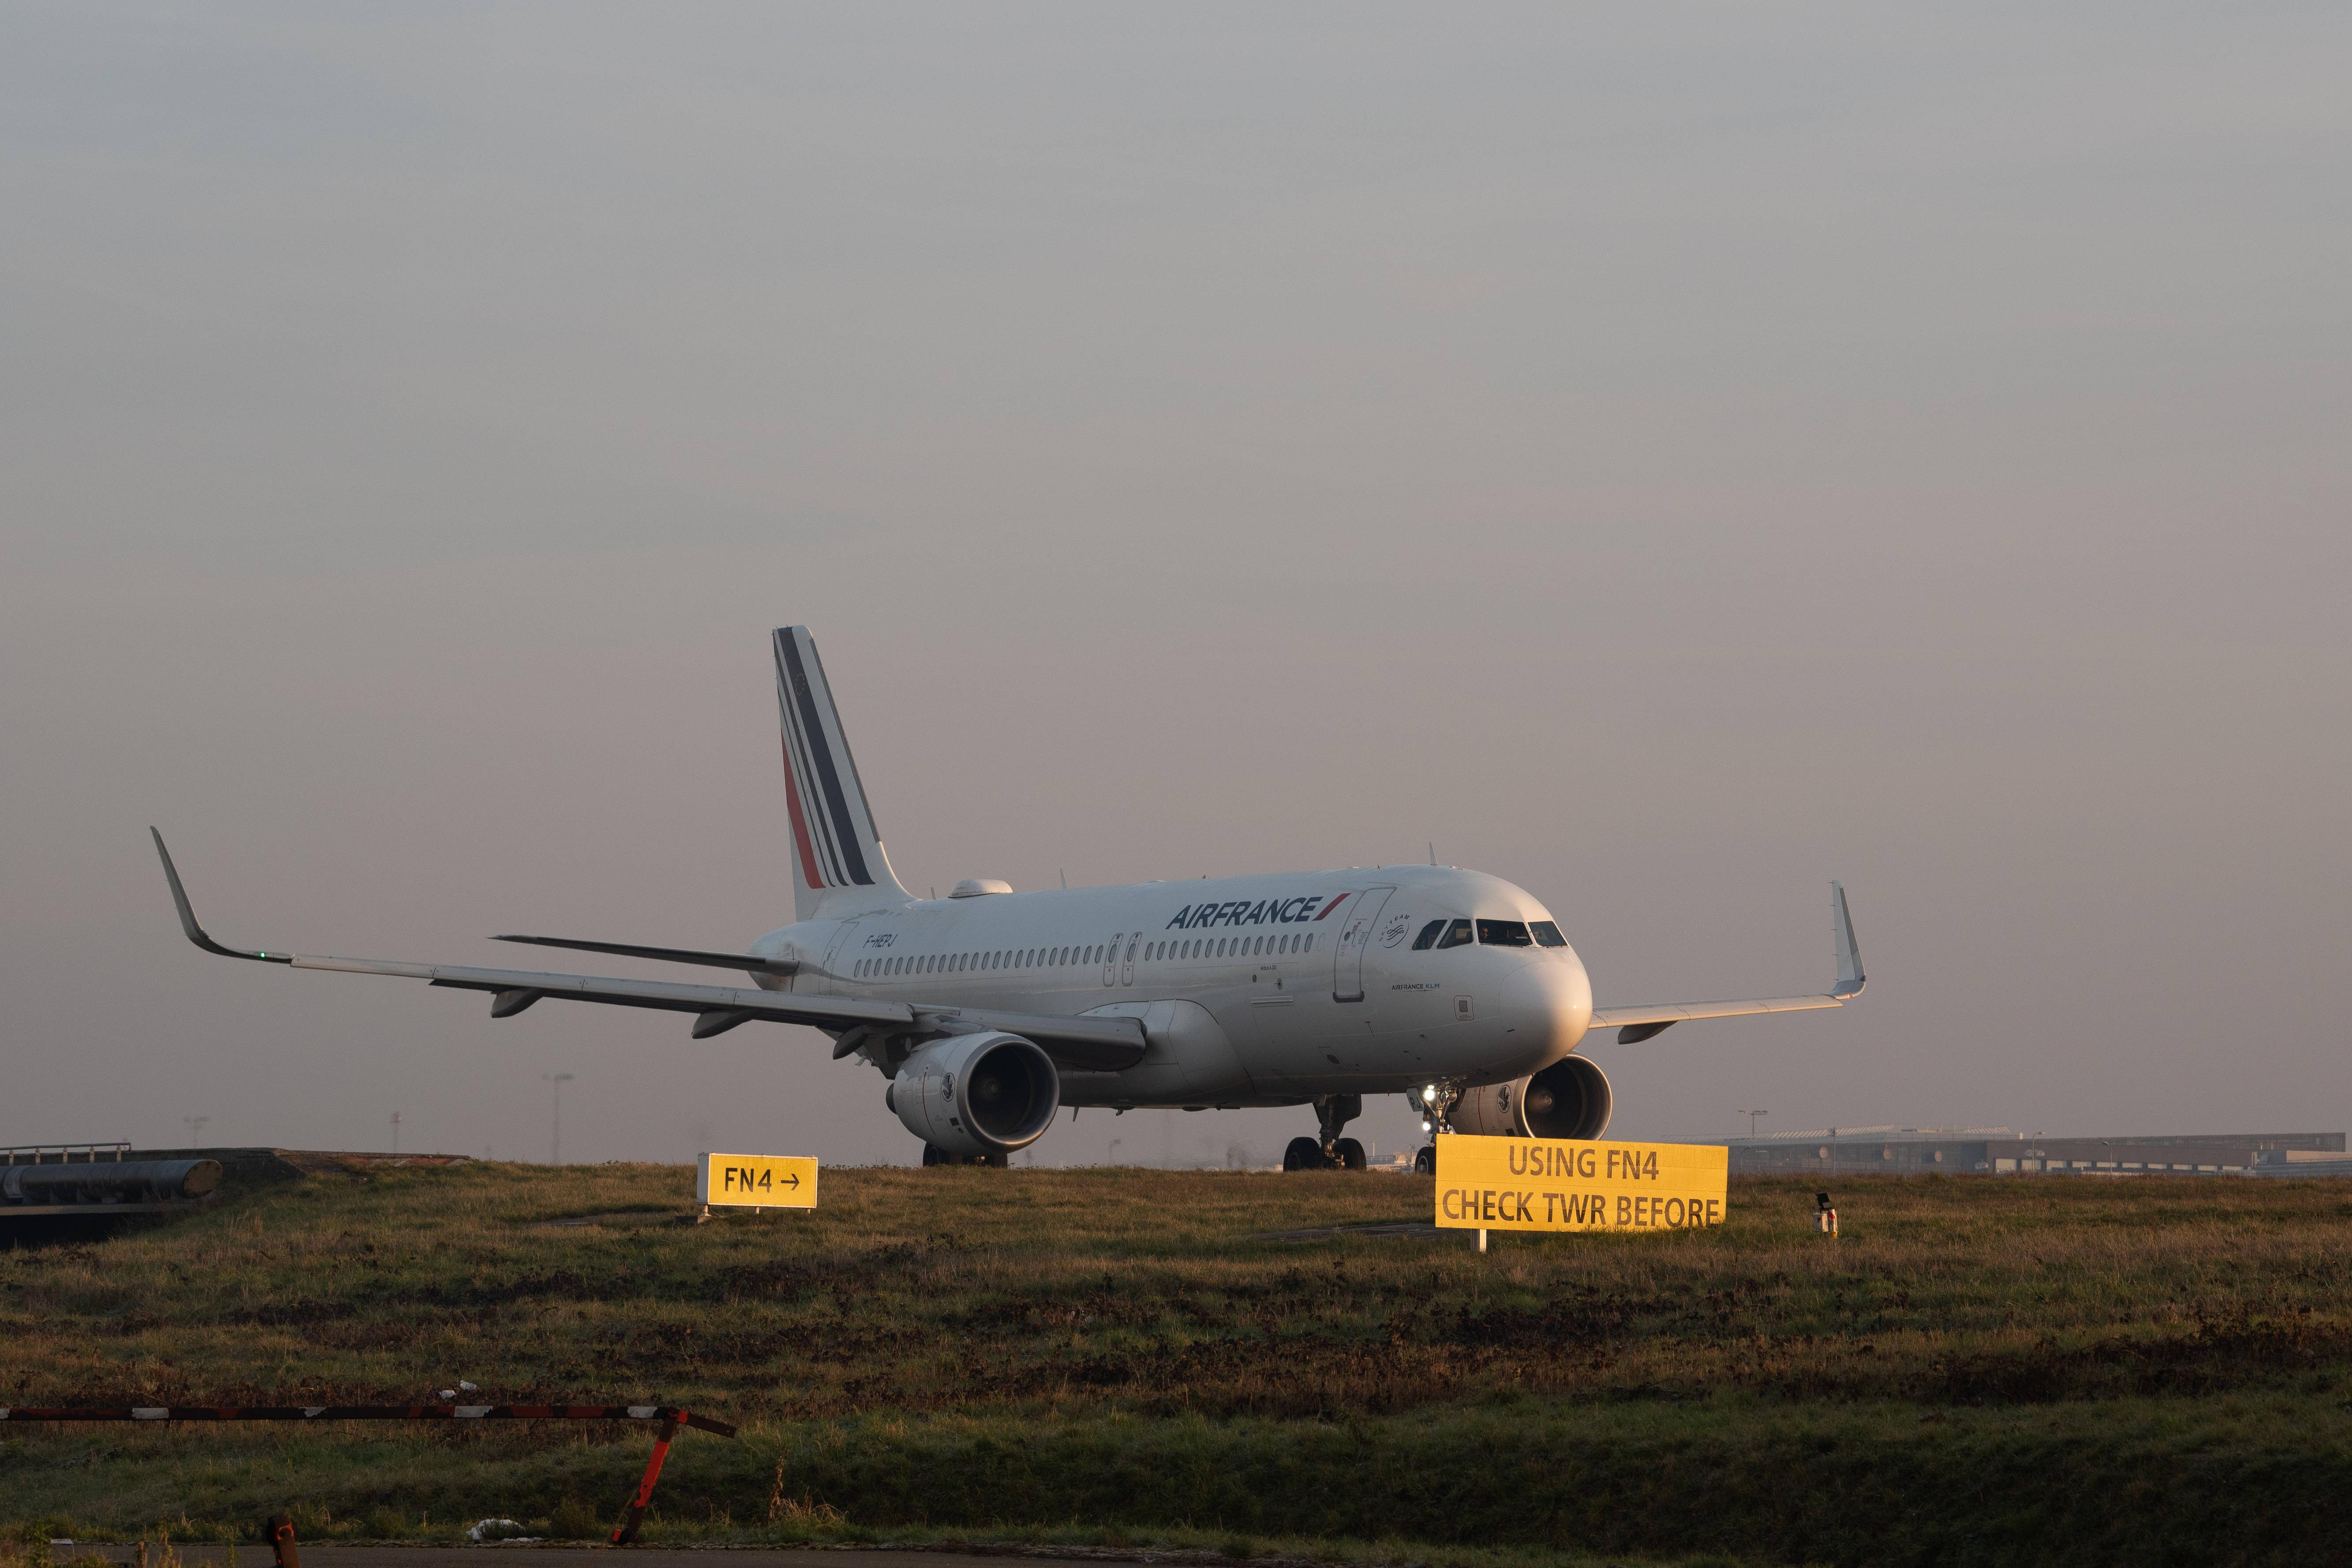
x=1252 y=990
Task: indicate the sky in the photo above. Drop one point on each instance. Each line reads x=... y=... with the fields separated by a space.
x=1666 y=457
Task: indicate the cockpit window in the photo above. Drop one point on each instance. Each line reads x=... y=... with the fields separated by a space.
x=1428 y=937
x=1547 y=934
x=1457 y=934
x=1504 y=933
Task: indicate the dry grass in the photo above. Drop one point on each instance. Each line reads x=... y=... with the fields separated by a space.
x=1045 y=1329
x=1078 y=1294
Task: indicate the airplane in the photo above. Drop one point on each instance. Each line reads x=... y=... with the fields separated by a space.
x=990 y=1009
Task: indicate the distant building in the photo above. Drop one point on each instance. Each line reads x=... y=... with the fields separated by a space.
x=1997 y=1150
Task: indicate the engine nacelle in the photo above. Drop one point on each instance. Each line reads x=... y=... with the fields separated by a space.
x=977 y=1094
x=1568 y=1099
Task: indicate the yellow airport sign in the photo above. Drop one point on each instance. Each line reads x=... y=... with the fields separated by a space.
x=1536 y=1184
x=756 y=1182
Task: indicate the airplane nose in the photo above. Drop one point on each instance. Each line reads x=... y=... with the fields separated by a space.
x=1549 y=1002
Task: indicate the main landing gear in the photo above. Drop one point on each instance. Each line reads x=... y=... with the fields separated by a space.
x=1329 y=1151
x=935 y=1156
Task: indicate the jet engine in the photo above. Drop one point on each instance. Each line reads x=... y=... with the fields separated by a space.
x=985 y=1093
x=1568 y=1099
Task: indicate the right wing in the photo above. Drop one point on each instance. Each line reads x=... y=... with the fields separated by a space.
x=1092 y=1044
x=1635 y=1024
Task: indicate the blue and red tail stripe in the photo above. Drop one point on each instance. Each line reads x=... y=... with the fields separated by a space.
x=827 y=832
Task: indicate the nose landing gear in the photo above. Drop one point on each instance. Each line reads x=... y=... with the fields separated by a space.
x=1436 y=1101
x=1329 y=1151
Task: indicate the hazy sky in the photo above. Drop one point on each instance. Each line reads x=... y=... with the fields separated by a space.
x=1666 y=455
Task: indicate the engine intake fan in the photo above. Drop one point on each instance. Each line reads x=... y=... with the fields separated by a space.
x=977 y=1094
x=1568 y=1099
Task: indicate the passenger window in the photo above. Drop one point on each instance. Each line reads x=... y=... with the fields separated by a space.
x=1428 y=937
x=1547 y=934
x=1310 y=943
x=1457 y=934
x=1505 y=933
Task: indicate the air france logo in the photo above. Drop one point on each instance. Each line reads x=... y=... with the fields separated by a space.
x=1241 y=912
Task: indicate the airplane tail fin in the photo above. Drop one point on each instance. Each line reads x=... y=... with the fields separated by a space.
x=838 y=864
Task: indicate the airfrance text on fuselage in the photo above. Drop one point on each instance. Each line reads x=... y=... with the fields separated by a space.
x=1241 y=912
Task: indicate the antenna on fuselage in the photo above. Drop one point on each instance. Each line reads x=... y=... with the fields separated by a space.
x=1432 y=851
x=1065 y=878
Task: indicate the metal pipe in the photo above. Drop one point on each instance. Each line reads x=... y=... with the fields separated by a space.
x=111 y=1182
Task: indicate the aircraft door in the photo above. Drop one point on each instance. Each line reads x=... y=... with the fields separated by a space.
x=1126 y=964
x=1355 y=936
x=840 y=957
x=1111 y=958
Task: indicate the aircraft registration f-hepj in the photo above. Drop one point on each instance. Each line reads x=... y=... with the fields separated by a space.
x=989 y=1009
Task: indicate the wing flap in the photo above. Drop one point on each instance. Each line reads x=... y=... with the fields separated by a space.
x=785 y=1006
x=750 y=962
x=1098 y=1045
x=1635 y=1024
x=1681 y=1012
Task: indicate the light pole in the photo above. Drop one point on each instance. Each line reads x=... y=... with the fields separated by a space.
x=1752 y=1116
x=395 y=1132
x=196 y=1126
x=555 y=1141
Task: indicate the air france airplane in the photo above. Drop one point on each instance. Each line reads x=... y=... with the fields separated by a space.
x=988 y=1010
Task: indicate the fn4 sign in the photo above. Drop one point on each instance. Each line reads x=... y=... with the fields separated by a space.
x=756 y=1182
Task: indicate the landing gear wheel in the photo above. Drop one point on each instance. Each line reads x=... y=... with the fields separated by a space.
x=1303 y=1154
x=1350 y=1154
x=935 y=1156
x=1424 y=1159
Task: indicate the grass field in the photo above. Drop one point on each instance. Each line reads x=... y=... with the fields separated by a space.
x=1982 y=1370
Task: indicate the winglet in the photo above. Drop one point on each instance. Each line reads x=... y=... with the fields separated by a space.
x=188 y=916
x=1850 y=977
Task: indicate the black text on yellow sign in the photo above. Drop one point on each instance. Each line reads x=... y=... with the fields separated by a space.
x=756 y=1181
x=1532 y=1184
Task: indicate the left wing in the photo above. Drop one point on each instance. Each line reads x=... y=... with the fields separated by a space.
x=1635 y=1024
x=750 y=962
x=1091 y=1044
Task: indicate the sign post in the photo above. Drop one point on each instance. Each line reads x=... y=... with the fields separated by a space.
x=755 y=1182
x=1535 y=1184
